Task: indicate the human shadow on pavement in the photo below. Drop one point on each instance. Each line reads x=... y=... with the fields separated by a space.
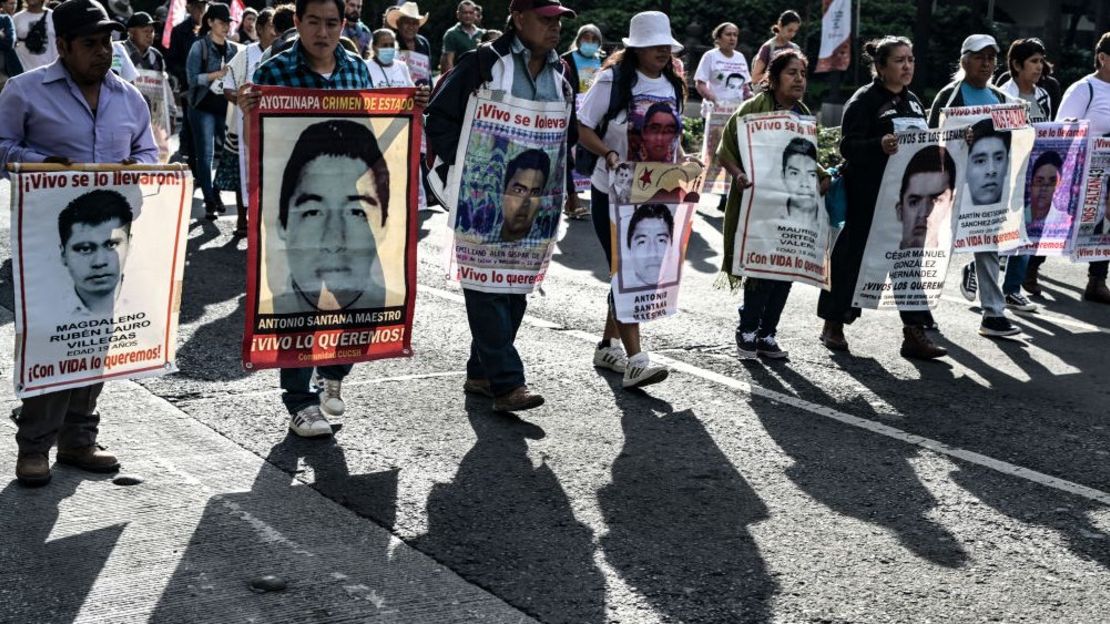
x=506 y=525
x=678 y=514
x=580 y=250
x=852 y=472
x=7 y=289
x=279 y=527
x=49 y=581
x=699 y=254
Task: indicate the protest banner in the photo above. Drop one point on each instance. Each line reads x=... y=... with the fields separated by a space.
x=1053 y=186
x=1091 y=233
x=155 y=88
x=908 y=249
x=331 y=255
x=784 y=231
x=98 y=253
x=716 y=118
x=506 y=198
x=836 y=32
x=419 y=64
x=650 y=210
x=990 y=214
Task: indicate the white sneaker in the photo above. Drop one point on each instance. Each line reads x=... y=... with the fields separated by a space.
x=611 y=357
x=310 y=423
x=331 y=401
x=641 y=372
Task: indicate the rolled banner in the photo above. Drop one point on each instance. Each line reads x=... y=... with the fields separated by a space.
x=836 y=36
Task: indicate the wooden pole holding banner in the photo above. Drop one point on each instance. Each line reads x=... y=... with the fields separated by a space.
x=54 y=167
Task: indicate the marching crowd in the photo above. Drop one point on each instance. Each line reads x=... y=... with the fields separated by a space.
x=67 y=100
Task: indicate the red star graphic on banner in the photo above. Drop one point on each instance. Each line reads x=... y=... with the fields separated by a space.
x=646 y=178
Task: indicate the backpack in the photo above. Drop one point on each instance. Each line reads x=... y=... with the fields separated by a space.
x=584 y=160
x=36 y=39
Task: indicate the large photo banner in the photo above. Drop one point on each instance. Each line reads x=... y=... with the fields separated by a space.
x=716 y=118
x=651 y=206
x=909 y=247
x=1053 y=187
x=990 y=214
x=1091 y=236
x=331 y=262
x=506 y=192
x=155 y=87
x=784 y=231
x=98 y=253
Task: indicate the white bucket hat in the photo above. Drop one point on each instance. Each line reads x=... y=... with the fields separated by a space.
x=650 y=29
x=408 y=9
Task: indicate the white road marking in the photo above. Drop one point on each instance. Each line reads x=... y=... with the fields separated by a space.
x=893 y=433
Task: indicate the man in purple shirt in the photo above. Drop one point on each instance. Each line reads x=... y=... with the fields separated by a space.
x=74 y=110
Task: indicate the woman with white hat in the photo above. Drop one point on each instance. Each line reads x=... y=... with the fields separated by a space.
x=414 y=50
x=642 y=73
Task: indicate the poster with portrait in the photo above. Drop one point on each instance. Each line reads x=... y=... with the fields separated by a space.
x=654 y=129
x=331 y=254
x=1053 y=187
x=98 y=253
x=990 y=214
x=906 y=257
x=1091 y=234
x=419 y=64
x=155 y=87
x=506 y=198
x=651 y=208
x=784 y=231
x=716 y=118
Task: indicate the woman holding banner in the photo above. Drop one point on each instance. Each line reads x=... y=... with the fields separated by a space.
x=871 y=118
x=643 y=71
x=764 y=299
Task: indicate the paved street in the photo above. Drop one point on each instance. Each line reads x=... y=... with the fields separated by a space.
x=828 y=488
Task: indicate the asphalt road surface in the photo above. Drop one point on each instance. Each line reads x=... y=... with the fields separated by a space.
x=825 y=488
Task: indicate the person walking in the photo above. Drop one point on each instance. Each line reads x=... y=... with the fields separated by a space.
x=247 y=33
x=583 y=61
x=182 y=38
x=205 y=69
x=523 y=62
x=722 y=76
x=642 y=71
x=354 y=29
x=871 y=118
x=971 y=87
x=35 y=35
x=764 y=299
x=1089 y=98
x=414 y=50
x=10 y=66
x=463 y=37
x=385 y=71
x=55 y=114
x=784 y=30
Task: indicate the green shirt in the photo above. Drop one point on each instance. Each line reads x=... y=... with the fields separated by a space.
x=456 y=40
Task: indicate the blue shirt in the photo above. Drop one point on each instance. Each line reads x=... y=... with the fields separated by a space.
x=545 y=86
x=45 y=114
x=290 y=69
x=974 y=96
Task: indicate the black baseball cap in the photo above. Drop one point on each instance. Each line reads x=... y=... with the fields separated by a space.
x=546 y=8
x=140 y=19
x=218 y=10
x=74 y=18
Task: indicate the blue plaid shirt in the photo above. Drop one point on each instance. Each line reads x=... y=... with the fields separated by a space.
x=290 y=69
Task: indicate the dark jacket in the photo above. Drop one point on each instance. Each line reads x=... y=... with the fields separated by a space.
x=951 y=97
x=182 y=38
x=443 y=118
x=9 y=60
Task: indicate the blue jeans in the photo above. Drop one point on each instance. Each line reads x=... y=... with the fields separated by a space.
x=208 y=131
x=1016 y=269
x=297 y=385
x=764 y=301
x=494 y=319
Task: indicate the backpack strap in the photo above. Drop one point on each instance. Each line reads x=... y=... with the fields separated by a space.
x=1090 y=98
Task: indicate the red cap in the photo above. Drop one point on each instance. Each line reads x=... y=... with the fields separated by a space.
x=546 y=8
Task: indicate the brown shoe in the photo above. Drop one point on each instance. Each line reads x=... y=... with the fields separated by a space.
x=917 y=345
x=1030 y=284
x=832 y=336
x=1096 y=291
x=477 y=386
x=519 y=399
x=32 y=469
x=91 y=458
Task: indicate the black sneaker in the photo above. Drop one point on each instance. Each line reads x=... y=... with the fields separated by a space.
x=1020 y=302
x=768 y=348
x=746 y=346
x=998 y=326
x=968 y=285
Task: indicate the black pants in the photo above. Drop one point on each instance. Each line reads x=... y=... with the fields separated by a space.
x=1098 y=270
x=67 y=417
x=764 y=301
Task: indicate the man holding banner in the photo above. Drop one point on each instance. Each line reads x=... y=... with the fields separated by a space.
x=504 y=183
x=44 y=120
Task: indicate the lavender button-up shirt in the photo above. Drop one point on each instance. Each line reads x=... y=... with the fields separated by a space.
x=43 y=114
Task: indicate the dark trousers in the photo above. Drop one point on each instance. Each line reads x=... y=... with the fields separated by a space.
x=599 y=211
x=1098 y=270
x=494 y=319
x=764 y=301
x=296 y=384
x=67 y=417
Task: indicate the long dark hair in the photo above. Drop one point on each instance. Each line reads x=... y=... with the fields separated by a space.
x=628 y=62
x=779 y=63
